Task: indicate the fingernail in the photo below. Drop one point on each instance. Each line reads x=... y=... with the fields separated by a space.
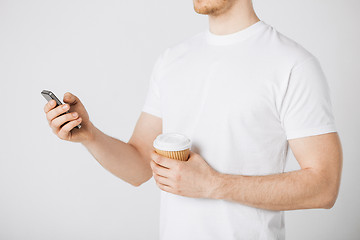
x=65 y=106
x=74 y=114
x=79 y=120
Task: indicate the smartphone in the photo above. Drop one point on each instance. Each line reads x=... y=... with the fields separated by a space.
x=48 y=95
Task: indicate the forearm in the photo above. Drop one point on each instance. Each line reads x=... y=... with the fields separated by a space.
x=120 y=158
x=302 y=189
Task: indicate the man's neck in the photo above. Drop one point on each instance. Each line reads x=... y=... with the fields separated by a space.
x=241 y=15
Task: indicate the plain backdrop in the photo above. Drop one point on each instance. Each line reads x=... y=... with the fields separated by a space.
x=103 y=52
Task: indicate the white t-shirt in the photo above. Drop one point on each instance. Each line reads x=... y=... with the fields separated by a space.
x=239 y=98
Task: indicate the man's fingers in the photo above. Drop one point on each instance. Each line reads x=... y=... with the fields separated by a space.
x=163 y=161
x=159 y=170
x=57 y=122
x=49 y=105
x=165 y=188
x=64 y=131
x=57 y=111
x=162 y=180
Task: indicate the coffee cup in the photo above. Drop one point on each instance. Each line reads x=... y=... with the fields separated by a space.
x=173 y=145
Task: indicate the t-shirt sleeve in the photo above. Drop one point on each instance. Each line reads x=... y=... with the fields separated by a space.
x=152 y=103
x=306 y=108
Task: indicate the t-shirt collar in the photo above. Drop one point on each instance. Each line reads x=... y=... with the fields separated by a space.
x=238 y=36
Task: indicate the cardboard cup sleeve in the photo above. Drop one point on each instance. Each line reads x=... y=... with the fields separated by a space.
x=173 y=145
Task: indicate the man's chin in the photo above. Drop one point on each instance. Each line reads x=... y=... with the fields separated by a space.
x=212 y=8
x=204 y=10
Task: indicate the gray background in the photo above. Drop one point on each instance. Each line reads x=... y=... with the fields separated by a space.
x=104 y=51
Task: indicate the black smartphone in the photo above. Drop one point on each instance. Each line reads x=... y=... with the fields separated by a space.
x=48 y=95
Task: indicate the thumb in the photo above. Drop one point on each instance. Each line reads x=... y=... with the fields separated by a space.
x=70 y=98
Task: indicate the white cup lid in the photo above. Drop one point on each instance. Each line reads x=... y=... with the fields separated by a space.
x=172 y=142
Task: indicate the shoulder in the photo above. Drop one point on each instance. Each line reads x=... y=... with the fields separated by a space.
x=285 y=49
x=179 y=50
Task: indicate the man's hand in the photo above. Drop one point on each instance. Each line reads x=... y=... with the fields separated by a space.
x=192 y=178
x=77 y=115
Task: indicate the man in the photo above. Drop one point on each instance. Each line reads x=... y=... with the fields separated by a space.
x=242 y=92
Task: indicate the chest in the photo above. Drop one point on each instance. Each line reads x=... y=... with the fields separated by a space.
x=240 y=87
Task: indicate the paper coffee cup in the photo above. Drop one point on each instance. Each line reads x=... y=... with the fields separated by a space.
x=173 y=145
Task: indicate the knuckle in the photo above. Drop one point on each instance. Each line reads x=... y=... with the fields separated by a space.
x=55 y=123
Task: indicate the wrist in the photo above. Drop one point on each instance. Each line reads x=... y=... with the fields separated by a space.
x=224 y=186
x=91 y=134
x=217 y=185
